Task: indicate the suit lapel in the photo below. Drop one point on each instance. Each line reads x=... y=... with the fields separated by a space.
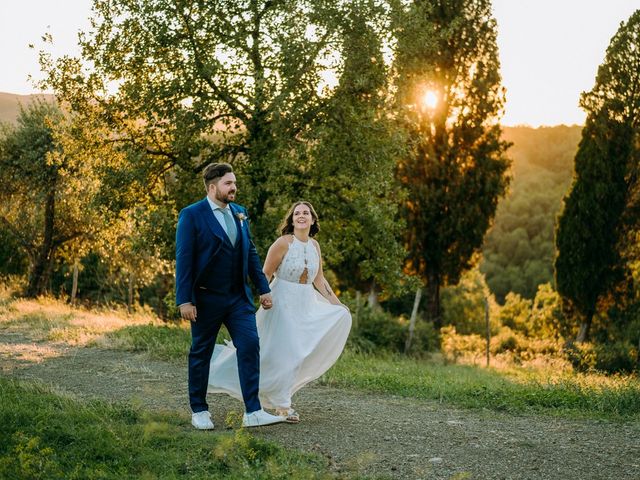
x=212 y=221
x=239 y=226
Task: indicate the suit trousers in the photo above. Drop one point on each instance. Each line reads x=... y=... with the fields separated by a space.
x=238 y=315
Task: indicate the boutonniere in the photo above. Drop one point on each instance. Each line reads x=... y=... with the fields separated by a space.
x=242 y=217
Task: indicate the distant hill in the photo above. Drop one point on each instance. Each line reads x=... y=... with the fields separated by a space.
x=10 y=104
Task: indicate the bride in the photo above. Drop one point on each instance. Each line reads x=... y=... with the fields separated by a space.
x=303 y=334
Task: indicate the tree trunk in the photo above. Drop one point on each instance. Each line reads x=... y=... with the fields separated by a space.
x=585 y=326
x=74 y=285
x=412 y=320
x=486 y=319
x=372 y=298
x=130 y=296
x=39 y=277
x=357 y=314
x=433 y=299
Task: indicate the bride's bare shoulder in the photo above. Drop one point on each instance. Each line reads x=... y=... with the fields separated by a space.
x=282 y=242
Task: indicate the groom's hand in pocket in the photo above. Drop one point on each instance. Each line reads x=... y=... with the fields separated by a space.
x=188 y=312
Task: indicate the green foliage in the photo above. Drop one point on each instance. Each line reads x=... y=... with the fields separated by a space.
x=516 y=313
x=472 y=387
x=13 y=260
x=546 y=318
x=351 y=169
x=32 y=179
x=519 y=251
x=377 y=332
x=617 y=357
x=454 y=167
x=506 y=346
x=595 y=216
x=49 y=436
x=201 y=82
x=464 y=305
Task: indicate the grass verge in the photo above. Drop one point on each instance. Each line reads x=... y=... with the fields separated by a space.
x=514 y=390
x=51 y=436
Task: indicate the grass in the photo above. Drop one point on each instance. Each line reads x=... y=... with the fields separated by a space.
x=513 y=390
x=51 y=436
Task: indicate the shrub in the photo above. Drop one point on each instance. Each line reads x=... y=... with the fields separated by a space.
x=375 y=330
x=455 y=346
x=618 y=357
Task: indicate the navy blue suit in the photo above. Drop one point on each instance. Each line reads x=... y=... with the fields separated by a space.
x=212 y=274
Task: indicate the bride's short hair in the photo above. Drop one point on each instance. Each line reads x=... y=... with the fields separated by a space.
x=286 y=227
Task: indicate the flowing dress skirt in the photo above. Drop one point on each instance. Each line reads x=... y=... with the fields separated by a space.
x=301 y=337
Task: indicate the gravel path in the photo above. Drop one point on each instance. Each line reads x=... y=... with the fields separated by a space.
x=374 y=434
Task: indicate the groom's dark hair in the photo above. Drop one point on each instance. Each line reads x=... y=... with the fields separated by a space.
x=214 y=171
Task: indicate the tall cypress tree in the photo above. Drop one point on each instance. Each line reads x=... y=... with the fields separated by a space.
x=595 y=217
x=450 y=98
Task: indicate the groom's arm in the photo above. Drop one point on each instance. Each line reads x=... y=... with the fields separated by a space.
x=185 y=248
x=255 y=267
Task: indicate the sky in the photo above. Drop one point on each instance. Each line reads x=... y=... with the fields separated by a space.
x=549 y=49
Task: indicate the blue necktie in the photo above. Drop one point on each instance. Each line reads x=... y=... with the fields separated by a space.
x=232 y=233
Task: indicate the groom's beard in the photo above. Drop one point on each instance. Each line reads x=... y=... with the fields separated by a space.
x=226 y=197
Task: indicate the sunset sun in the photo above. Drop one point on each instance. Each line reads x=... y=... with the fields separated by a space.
x=430 y=99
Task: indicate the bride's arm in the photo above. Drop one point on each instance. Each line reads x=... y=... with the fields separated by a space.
x=275 y=255
x=321 y=283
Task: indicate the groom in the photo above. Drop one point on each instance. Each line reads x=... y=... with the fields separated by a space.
x=214 y=257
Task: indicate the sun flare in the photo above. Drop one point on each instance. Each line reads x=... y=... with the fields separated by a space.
x=430 y=99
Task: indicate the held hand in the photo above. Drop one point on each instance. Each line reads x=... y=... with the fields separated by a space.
x=266 y=301
x=188 y=312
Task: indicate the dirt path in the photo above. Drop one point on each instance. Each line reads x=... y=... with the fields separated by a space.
x=380 y=435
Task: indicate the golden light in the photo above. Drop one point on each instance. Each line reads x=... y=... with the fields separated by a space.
x=430 y=99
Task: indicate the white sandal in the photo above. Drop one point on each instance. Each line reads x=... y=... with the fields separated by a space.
x=291 y=416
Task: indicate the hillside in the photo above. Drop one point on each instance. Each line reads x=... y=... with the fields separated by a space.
x=10 y=104
x=519 y=249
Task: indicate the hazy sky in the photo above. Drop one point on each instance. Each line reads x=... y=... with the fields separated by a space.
x=549 y=49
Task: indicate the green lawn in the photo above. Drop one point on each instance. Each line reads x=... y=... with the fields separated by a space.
x=50 y=436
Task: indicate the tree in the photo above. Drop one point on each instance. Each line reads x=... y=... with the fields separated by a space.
x=186 y=83
x=353 y=158
x=46 y=194
x=596 y=216
x=450 y=98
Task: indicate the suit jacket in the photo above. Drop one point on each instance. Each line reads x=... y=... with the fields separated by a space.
x=199 y=237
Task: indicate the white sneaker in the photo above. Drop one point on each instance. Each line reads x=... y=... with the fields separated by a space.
x=202 y=420
x=259 y=418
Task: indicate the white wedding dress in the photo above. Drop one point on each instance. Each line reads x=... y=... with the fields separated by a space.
x=301 y=336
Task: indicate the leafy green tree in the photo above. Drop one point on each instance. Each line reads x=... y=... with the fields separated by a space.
x=46 y=194
x=186 y=83
x=593 y=223
x=450 y=99
x=353 y=158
